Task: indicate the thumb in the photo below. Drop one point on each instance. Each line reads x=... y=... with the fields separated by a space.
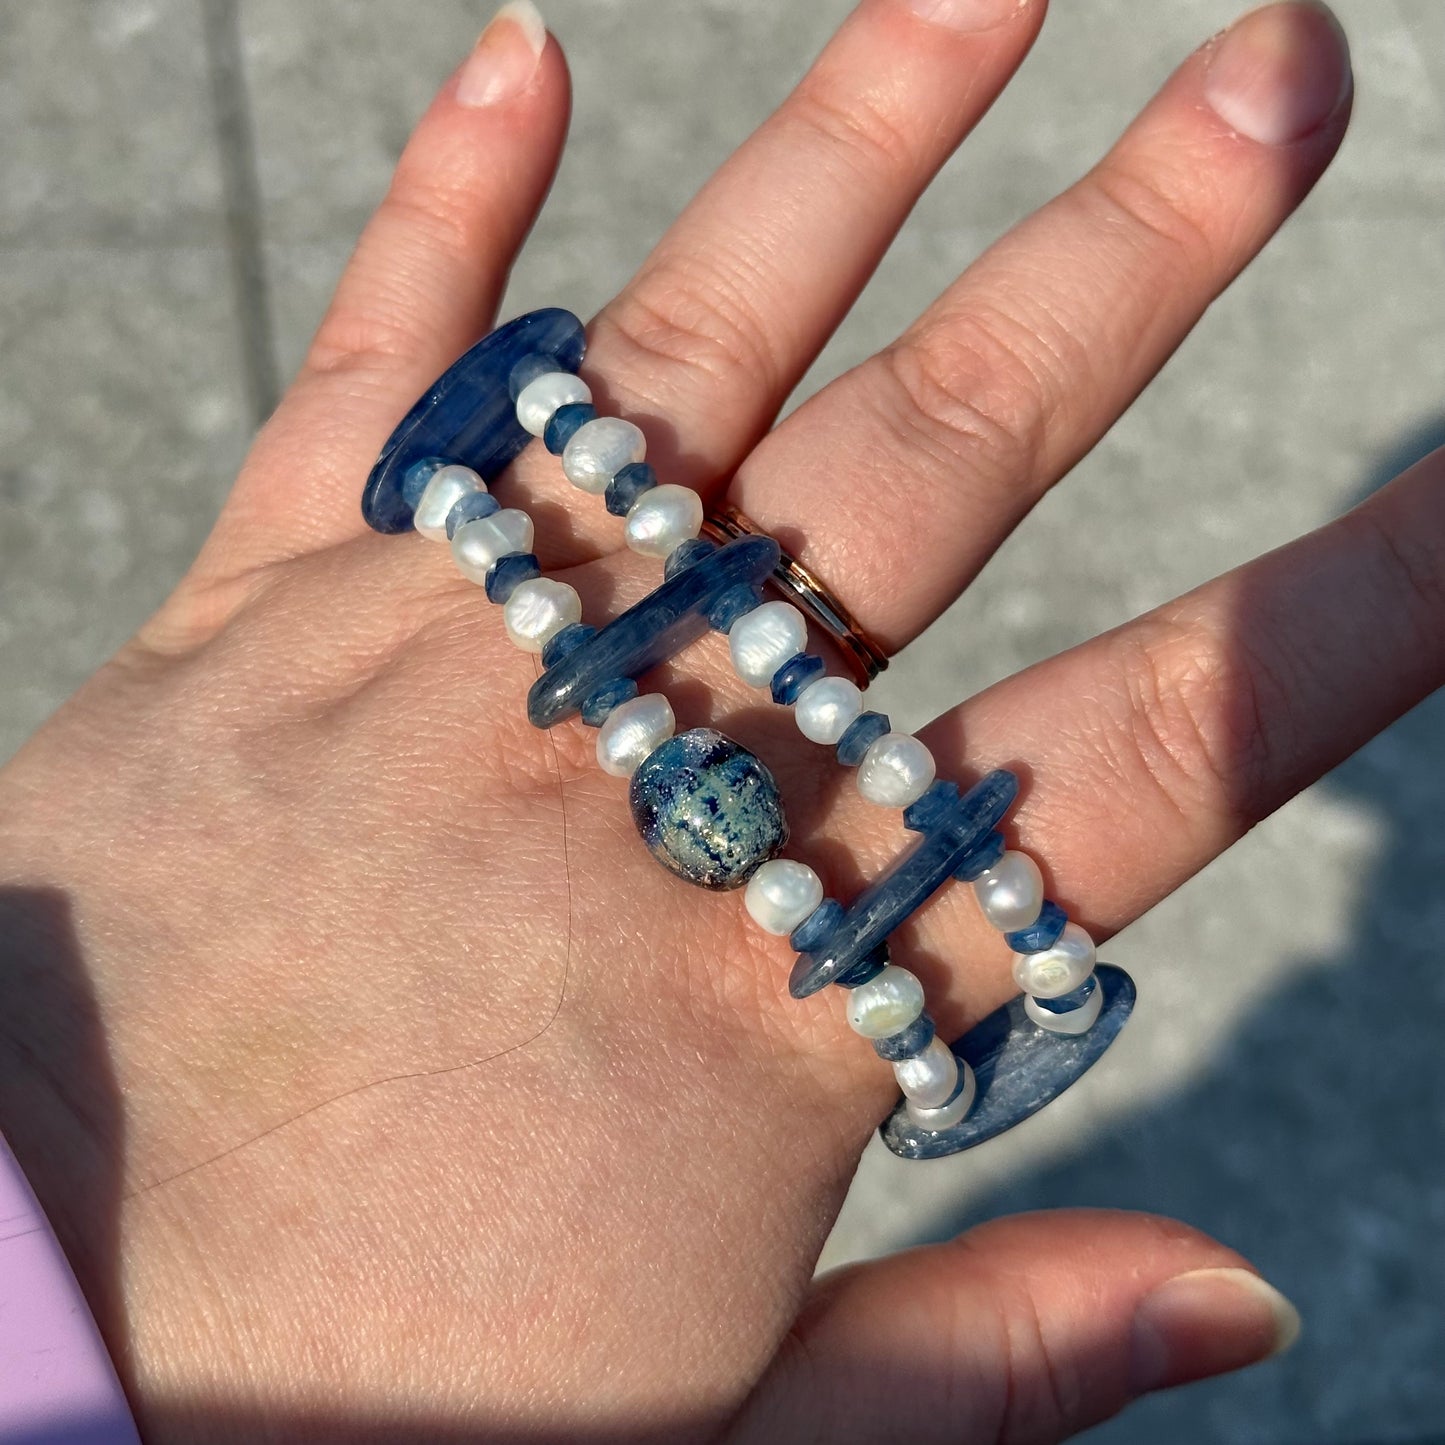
x=1022 y=1331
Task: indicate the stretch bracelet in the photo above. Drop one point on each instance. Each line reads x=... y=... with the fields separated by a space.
x=707 y=808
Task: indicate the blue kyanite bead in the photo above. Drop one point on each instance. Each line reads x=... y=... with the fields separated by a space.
x=685 y=554
x=940 y=799
x=567 y=641
x=468 y=415
x=527 y=370
x=1042 y=933
x=612 y=694
x=736 y=602
x=564 y=422
x=1066 y=1003
x=418 y=474
x=864 y=970
x=908 y=1044
x=627 y=486
x=472 y=506
x=817 y=927
x=507 y=571
x=707 y=809
x=794 y=675
x=859 y=736
x=977 y=863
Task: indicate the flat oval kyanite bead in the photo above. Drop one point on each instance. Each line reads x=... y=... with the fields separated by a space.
x=1053 y=972
x=480 y=545
x=631 y=731
x=541 y=397
x=708 y=810
x=1011 y=893
x=599 y=450
x=663 y=518
x=781 y=894
x=538 y=610
x=896 y=770
x=825 y=709
x=448 y=485
x=930 y=1077
x=886 y=1004
x=762 y=640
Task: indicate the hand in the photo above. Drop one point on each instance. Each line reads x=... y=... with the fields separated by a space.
x=378 y=1083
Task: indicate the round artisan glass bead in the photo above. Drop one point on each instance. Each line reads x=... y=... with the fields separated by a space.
x=1055 y=971
x=762 y=640
x=1076 y=1021
x=824 y=709
x=896 y=770
x=448 y=485
x=599 y=450
x=538 y=609
x=479 y=545
x=928 y=1078
x=662 y=518
x=541 y=397
x=781 y=894
x=631 y=731
x=1011 y=893
x=888 y=1002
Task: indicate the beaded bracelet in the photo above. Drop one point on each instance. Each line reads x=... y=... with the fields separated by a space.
x=707 y=808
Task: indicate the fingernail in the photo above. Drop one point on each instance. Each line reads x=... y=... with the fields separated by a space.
x=1280 y=73
x=1207 y=1322
x=505 y=58
x=966 y=14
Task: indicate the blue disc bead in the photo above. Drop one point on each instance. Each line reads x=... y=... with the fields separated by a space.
x=599 y=705
x=506 y=572
x=908 y=1044
x=817 y=927
x=627 y=486
x=685 y=554
x=736 y=602
x=1042 y=933
x=567 y=641
x=861 y=734
x=565 y=421
x=1066 y=1003
x=469 y=508
x=794 y=675
x=414 y=483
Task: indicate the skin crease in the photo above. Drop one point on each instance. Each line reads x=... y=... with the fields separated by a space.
x=443 y=1112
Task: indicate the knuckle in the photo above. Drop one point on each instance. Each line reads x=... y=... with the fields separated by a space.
x=1142 y=206
x=856 y=125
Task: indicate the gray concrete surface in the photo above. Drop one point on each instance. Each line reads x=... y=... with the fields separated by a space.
x=180 y=182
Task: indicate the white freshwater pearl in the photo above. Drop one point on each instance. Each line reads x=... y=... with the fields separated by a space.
x=781 y=894
x=476 y=545
x=950 y=1114
x=896 y=770
x=538 y=609
x=661 y=518
x=1061 y=969
x=929 y=1078
x=886 y=1004
x=1079 y=1021
x=762 y=640
x=447 y=487
x=1011 y=893
x=599 y=449
x=632 y=730
x=826 y=707
x=544 y=394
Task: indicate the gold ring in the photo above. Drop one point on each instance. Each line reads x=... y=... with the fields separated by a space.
x=804 y=588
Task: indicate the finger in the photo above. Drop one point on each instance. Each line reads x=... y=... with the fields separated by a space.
x=424 y=281
x=936 y=447
x=1026 y=1330
x=706 y=342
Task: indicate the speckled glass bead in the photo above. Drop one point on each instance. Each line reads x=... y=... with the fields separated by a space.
x=566 y=422
x=896 y=770
x=599 y=705
x=886 y=1004
x=817 y=927
x=781 y=894
x=469 y=508
x=1076 y=1021
x=1011 y=893
x=929 y=1078
x=413 y=484
x=561 y=644
x=708 y=810
x=627 y=486
x=826 y=709
x=597 y=451
x=632 y=731
x=793 y=676
x=541 y=397
x=736 y=602
x=478 y=546
x=859 y=736
x=1042 y=933
x=906 y=1042
x=448 y=485
x=662 y=519
x=507 y=572
x=1057 y=970
x=762 y=640
x=684 y=555
x=1067 y=1002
